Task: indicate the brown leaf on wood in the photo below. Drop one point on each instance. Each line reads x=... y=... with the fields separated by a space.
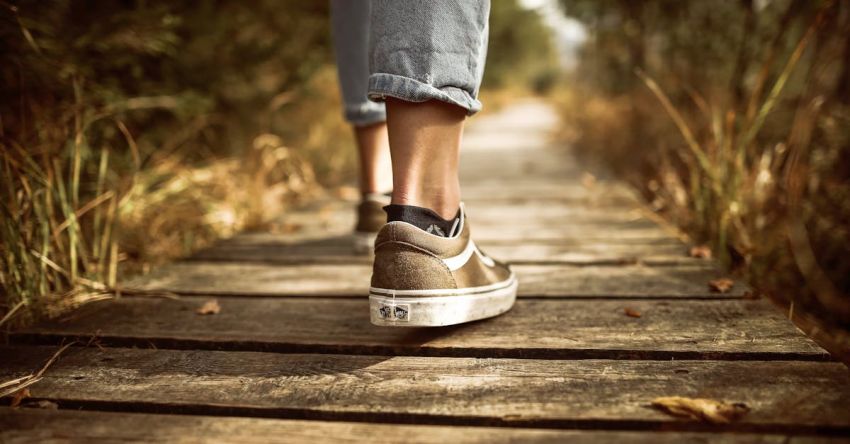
x=20 y=395
x=701 y=252
x=209 y=307
x=709 y=410
x=631 y=312
x=722 y=285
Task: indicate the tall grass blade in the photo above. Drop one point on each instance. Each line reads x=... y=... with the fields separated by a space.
x=674 y=114
x=776 y=91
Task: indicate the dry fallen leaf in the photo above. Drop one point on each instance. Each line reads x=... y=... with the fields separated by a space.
x=701 y=251
x=631 y=312
x=20 y=395
x=722 y=285
x=209 y=307
x=709 y=410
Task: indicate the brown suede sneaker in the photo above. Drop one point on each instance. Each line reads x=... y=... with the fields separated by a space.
x=370 y=219
x=421 y=279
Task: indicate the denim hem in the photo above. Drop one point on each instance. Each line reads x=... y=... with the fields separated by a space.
x=365 y=114
x=382 y=85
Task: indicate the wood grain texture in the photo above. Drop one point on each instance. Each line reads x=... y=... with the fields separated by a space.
x=335 y=214
x=517 y=221
x=292 y=356
x=223 y=278
x=19 y=426
x=533 y=328
x=516 y=228
x=799 y=396
x=319 y=249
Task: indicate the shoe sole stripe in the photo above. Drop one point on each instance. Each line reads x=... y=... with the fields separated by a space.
x=424 y=311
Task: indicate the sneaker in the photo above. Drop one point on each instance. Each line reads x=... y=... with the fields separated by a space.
x=424 y=279
x=370 y=219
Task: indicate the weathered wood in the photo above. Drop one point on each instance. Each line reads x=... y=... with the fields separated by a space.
x=283 y=249
x=533 y=328
x=531 y=211
x=353 y=280
x=514 y=225
x=595 y=256
x=49 y=426
x=688 y=281
x=514 y=165
x=528 y=211
x=519 y=222
x=810 y=396
x=564 y=191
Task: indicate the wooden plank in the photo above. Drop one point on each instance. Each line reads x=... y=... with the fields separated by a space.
x=516 y=228
x=283 y=249
x=511 y=166
x=575 y=329
x=48 y=426
x=260 y=279
x=566 y=190
x=487 y=208
x=810 y=396
x=336 y=213
x=531 y=211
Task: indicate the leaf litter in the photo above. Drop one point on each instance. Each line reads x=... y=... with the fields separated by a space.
x=722 y=285
x=701 y=252
x=631 y=312
x=701 y=409
x=209 y=307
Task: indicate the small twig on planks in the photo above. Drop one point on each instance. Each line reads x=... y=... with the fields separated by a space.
x=14 y=381
x=15 y=385
x=53 y=358
x=27 y=381
x=12 y=312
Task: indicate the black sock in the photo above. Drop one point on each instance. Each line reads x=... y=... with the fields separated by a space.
x=423 y=218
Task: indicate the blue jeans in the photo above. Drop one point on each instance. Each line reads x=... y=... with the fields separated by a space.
x=408 y=49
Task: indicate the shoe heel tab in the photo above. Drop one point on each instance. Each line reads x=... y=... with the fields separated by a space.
x=387 y=233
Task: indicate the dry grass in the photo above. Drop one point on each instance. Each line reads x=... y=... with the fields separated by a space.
x=763 y=183
x=61 y=251
x=75 y=224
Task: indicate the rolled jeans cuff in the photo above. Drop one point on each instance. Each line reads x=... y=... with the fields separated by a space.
x=365 y=113
x=382 y=85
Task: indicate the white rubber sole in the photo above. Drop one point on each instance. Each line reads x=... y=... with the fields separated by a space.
x=363 y=243
x=435 y=308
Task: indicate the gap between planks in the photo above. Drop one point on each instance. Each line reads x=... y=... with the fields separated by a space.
x=534 y=329
x=27 y=425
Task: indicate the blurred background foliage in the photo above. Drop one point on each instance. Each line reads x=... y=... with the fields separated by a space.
x=522 y=56
x=733 y=119
x=136 y=131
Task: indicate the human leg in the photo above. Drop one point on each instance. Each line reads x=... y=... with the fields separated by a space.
x=427 y=63
x=350 y=20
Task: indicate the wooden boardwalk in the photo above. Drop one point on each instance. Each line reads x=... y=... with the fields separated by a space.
x=292 y=356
